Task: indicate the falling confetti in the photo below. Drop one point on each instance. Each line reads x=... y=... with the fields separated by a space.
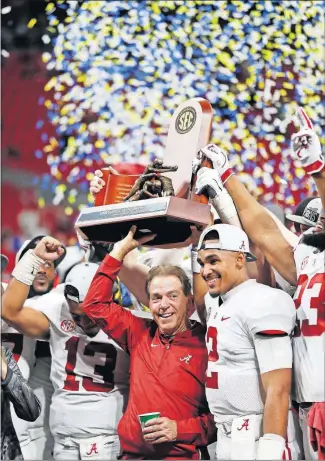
x=121 y=68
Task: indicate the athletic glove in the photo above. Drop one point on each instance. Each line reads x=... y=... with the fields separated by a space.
x=270 y=446
x=210 y=181
x=219 y=161
x=305 y=145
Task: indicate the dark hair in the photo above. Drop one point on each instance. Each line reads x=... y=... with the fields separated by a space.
x=32 y=245
x=213 y=235
x=165 y=271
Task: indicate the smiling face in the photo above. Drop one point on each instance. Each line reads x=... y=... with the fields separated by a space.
x=44 y=279
x=168 y=304
x=222 y=270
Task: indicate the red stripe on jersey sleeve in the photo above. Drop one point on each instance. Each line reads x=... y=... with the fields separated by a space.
x=272 y=332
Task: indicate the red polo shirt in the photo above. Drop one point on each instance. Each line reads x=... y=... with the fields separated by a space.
x=166 y=376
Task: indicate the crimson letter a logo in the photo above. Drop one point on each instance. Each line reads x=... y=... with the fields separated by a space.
x=244 y=425
x=93 y=449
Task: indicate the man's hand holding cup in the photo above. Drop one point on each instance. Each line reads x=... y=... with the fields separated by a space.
x=159 y=430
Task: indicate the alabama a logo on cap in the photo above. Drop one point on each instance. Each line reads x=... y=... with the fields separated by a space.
x=242 y=246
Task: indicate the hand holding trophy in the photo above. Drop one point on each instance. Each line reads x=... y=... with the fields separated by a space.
x=162 y=200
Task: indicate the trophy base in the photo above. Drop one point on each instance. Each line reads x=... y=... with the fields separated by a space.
x=168 y=217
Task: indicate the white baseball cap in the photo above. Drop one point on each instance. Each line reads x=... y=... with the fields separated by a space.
x=74 y=255
x=310 y=214
x=80 y=278
x=231 y=238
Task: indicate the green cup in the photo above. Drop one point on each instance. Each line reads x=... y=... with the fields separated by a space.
x=146 y=417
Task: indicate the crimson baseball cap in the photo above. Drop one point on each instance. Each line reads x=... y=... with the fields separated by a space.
x=31 y=244
x=310 y=213
x=231 y=238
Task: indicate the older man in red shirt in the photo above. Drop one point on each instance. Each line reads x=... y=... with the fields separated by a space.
x=168 y=361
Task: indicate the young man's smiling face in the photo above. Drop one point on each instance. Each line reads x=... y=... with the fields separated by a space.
x=220 y=269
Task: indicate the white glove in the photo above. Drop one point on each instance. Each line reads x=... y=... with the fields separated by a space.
x=270 y=446
x=96 y=184
x=219 y=160
x=305 y=145
x=209 y=180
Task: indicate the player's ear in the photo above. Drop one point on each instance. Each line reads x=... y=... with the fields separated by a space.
x=240 y=260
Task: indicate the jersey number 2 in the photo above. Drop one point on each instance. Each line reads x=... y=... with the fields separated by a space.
x=212 y=340
x=304 y=289
x=105 y=372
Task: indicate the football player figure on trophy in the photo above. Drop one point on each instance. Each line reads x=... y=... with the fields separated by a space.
x=161 y=200
x=151 y=184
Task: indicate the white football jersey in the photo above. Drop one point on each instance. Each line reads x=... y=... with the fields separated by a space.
x=22 y=347
x=283 y=284
x=90 y=375
x=233 y=376
x=23 y=350
x=309 y=338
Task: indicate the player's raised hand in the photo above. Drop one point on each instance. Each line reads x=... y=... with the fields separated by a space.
x=97 y=183
x=208 y=180
x=219 y=160
x=305 y=145
x=129 y=243
x=49 y=249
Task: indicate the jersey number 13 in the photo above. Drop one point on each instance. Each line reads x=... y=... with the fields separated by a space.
x=104 y=372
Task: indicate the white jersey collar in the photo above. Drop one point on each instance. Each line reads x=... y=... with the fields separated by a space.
x=238 y=288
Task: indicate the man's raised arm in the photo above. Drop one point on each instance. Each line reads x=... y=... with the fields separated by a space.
x=307 y=150
x=256 y=221
x=26 y=320
x=118 y=323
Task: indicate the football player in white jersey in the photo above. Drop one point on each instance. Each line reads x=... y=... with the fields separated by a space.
x=34 y=360
x=250 y=355
x=301 y=266
x=89 y=371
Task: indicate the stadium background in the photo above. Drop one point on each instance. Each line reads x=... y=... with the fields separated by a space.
x=91 y=83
